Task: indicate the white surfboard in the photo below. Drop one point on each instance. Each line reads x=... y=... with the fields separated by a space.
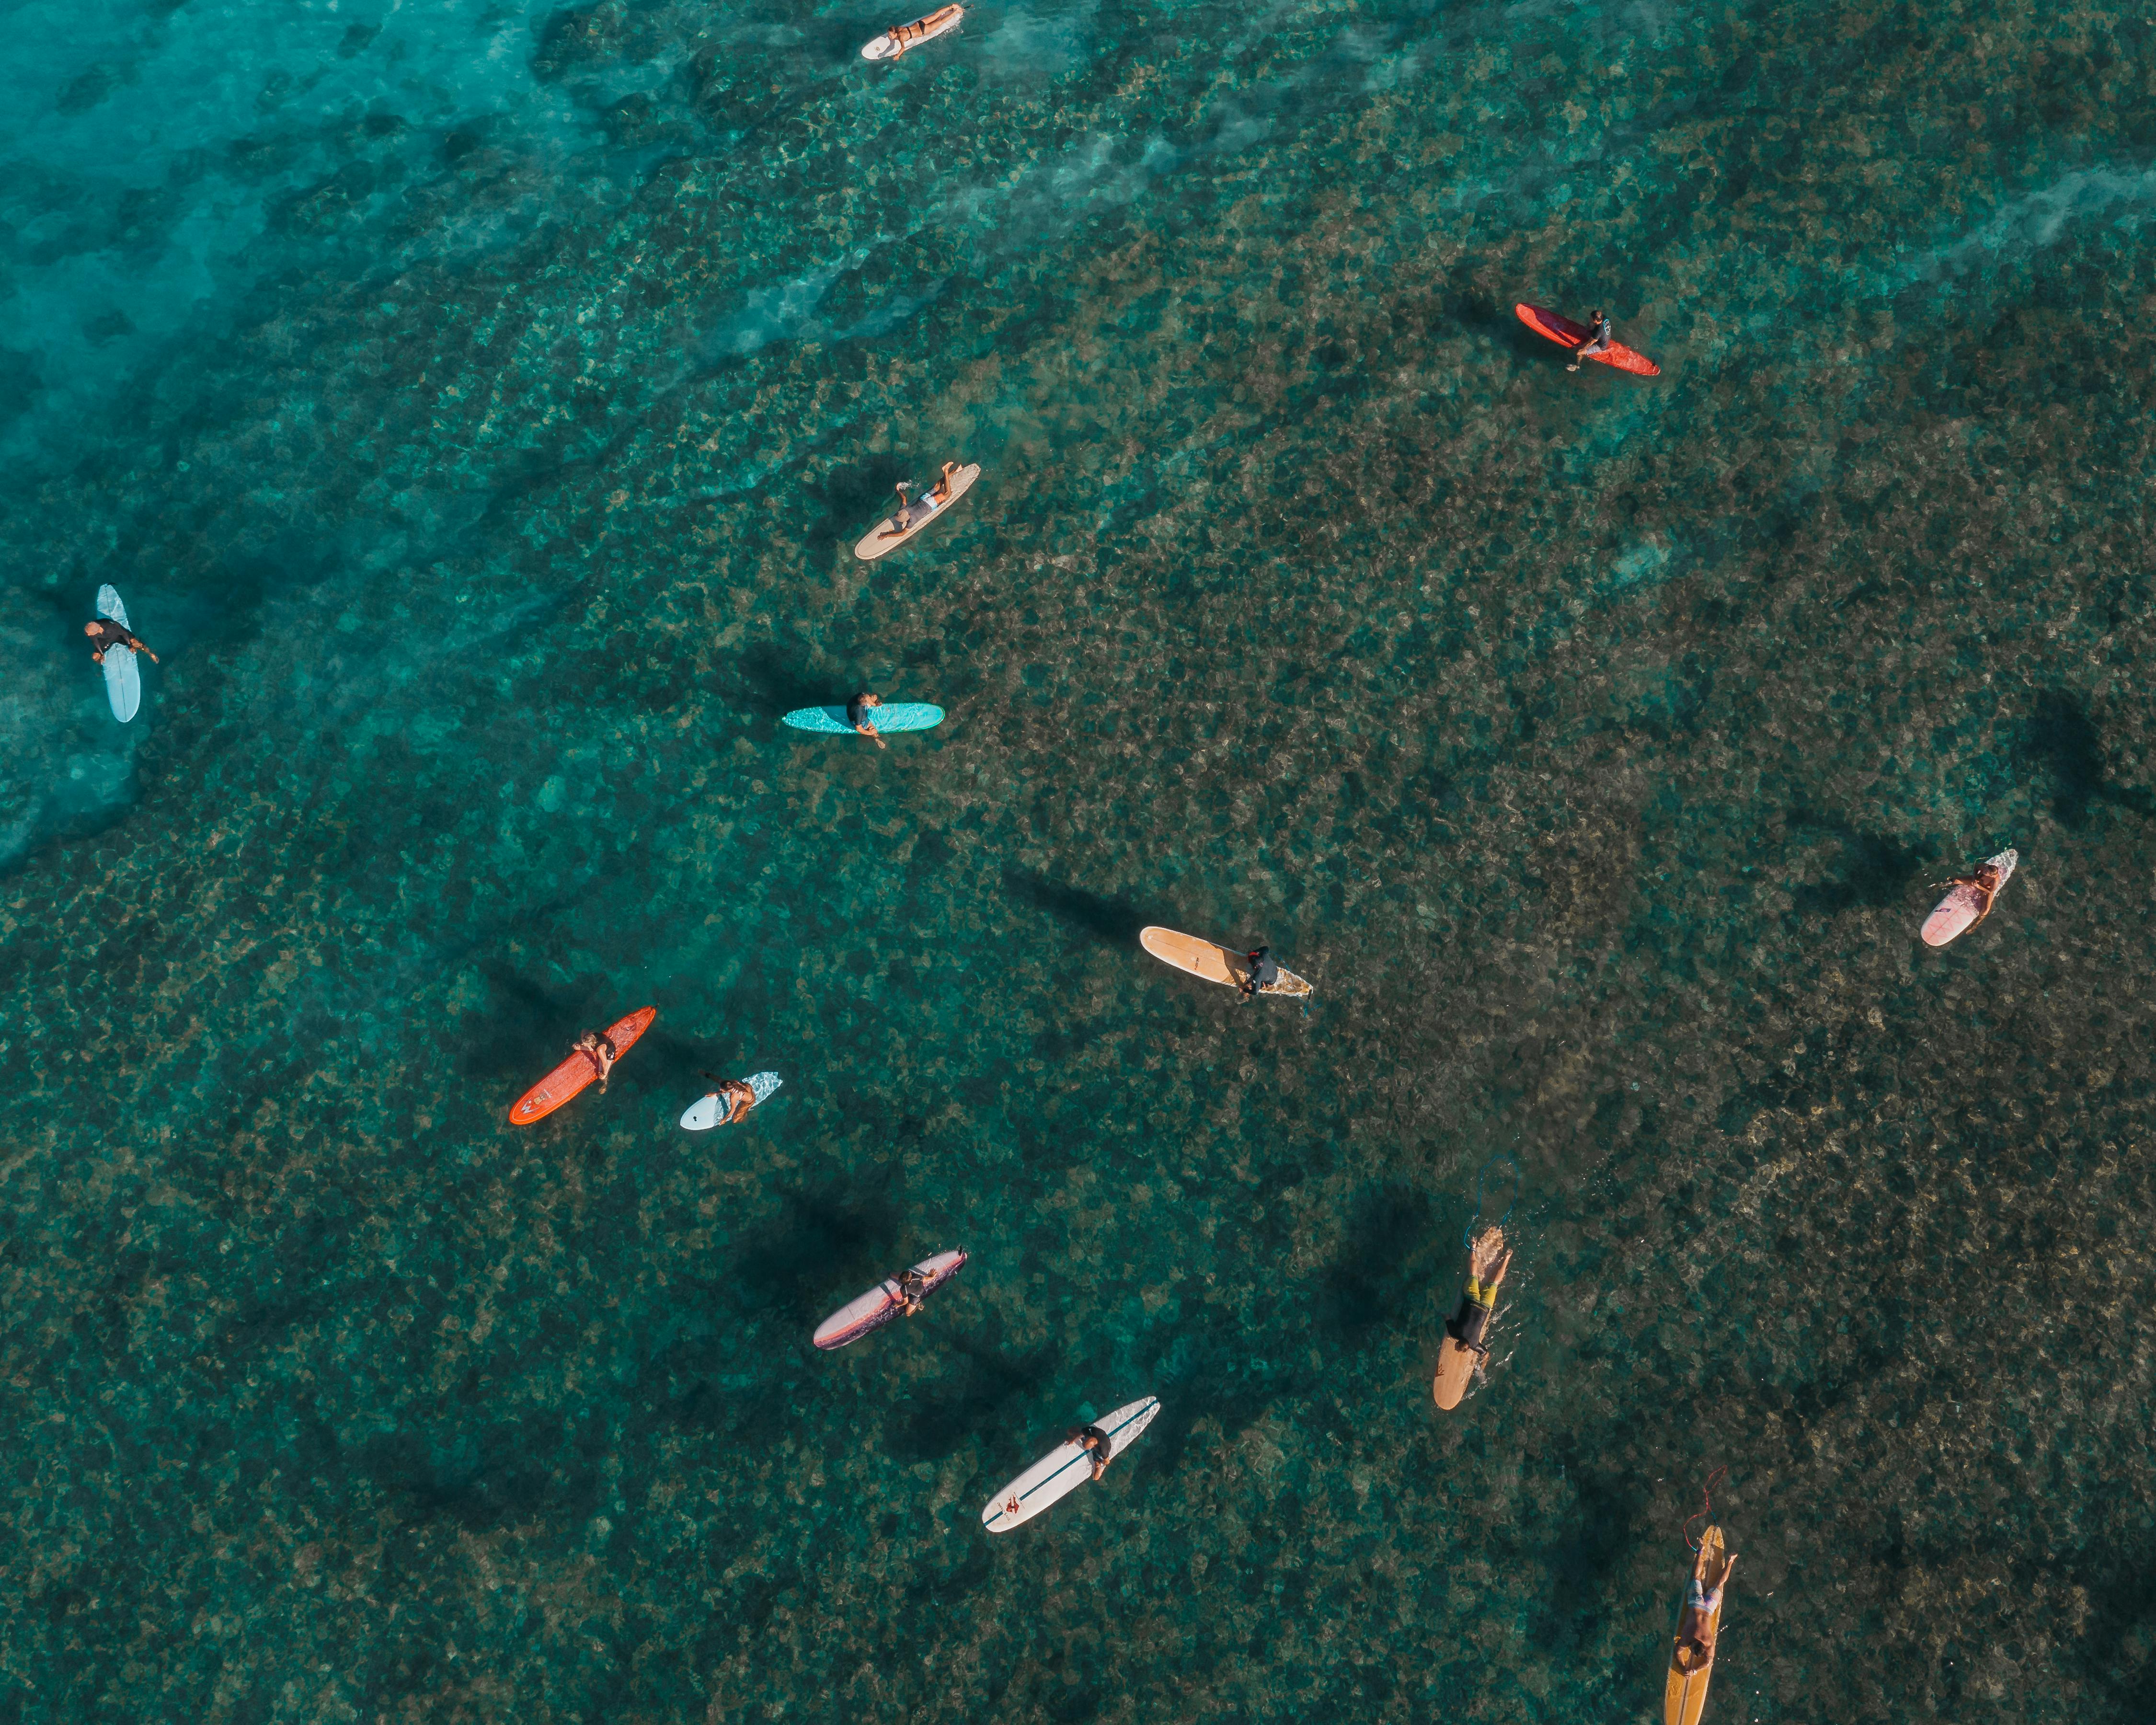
x=123 y=677
x=887 y=535
x=882 y=1302
x=896 y=41
x=1065 y=1468
x=703 y=1113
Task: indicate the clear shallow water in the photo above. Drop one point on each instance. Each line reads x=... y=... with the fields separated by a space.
x=475 y=407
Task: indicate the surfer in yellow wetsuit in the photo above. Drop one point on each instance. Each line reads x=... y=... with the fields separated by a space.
x=603 y=1055
x=1598 y=339
x=738 y=1097
x=1487 y=1262
x=1094 y=1442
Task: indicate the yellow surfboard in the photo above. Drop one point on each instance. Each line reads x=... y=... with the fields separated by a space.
x=1455 y=1371
x=1684 y=1694
x=889 y=534
x=1214 y=961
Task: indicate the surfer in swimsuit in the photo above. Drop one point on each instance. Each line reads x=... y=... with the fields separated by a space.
x=595 y=1044
x=902 y=522
x=857 y=716
x=1487 y=1262
x=1696 y=1626
x=105 y=633
x=1095 y=1442
x=738 y=1097
x=1598 y=340
x=1262 y=973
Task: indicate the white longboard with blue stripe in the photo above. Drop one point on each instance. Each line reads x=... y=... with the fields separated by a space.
x=1065 y=1468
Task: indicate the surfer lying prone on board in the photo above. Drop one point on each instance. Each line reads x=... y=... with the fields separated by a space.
x=103 y=632
x=857 y=716
x=737 y=1095
x=1095 y=1442
x=1487 y=1262
x=1598 y=339
x=603 y=1053
x=1701 y=1604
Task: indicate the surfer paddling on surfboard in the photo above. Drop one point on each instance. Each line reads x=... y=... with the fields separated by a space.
x=602 y=1053
x=1463 y=1352
x=734 y=1095
x=857 y=716
x=1598 y=339
x=105 y=633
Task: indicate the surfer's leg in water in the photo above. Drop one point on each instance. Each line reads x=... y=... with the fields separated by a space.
x=1597 y=341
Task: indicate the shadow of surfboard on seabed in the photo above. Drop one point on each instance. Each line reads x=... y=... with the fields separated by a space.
x=1113 y=922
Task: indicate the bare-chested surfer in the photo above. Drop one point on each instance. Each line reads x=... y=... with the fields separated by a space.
x=737 y=1097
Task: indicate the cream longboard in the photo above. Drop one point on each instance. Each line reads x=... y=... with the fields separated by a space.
x=1214 y=961
x=896 y=40
x=1684 y=1694
x=888 y=534
x=1455 y=1371
x=1064 y=1469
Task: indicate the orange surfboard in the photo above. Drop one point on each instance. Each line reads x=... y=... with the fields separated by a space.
x=1212 y=961
x=1566 y=333
x=579 y=1072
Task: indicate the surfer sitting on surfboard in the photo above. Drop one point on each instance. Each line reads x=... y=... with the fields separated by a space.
x=1095 y=1442
x=1262 y=973
x=1486 y=1265
x=912 y=1290
x=603 y=1052
x=105 y=633
x=1696 y=1626
x=738 y=1097
x=857 y=716
x=1598 y=339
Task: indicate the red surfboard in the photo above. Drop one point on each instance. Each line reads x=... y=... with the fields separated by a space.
x=1566 y=333
x=579 y=1072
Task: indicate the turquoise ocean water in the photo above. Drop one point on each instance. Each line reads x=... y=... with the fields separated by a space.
x=475 y=406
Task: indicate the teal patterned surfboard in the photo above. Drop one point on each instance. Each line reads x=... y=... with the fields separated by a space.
x=892 y=715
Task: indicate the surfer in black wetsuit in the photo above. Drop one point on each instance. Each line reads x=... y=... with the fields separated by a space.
x=1096 y=1443
x=105 y=633
x=603 y=1054
x=857 y=716
x=1262 y=973
x=1598 y=340
x=1487 y=1262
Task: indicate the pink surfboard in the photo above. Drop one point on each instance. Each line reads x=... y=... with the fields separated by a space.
x=884 y=1301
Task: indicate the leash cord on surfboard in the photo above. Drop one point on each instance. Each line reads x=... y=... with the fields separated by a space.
x=1467 y=1235
x=1705 y=1505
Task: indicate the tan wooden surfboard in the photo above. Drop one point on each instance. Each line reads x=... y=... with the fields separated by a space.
x=1214 y=963
x=1455 y=1371
x=887 y=536
x=1684 y=1695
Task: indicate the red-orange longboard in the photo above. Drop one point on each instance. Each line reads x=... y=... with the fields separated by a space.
x=1566 y=333
x=576 y=1073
